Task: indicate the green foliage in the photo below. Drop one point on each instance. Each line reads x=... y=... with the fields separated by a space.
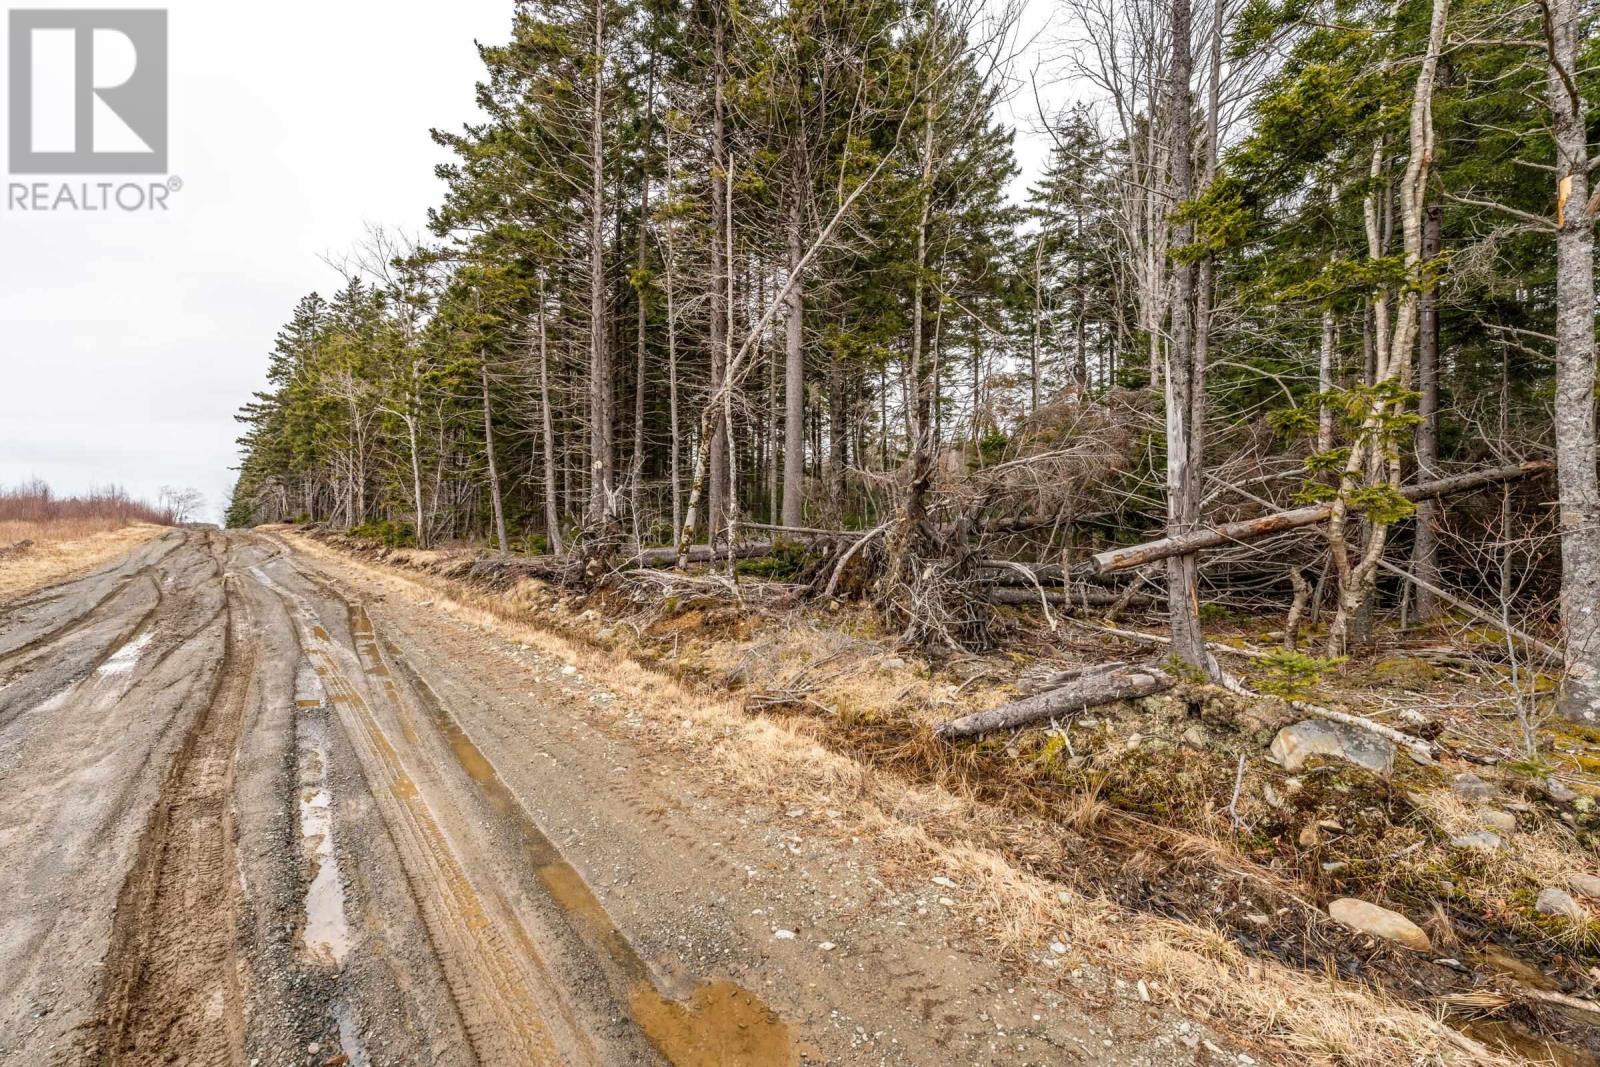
x=1382 y=504
x=1292 y=422
x=787 y=560
x=992 y=447
x=1333 y=461
x=1314 y=493
x=1293 y=675
x=393 y=534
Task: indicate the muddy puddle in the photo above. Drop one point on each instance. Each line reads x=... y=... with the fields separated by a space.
x=1509 y=1037
x=325 y=938
x=714 y=1024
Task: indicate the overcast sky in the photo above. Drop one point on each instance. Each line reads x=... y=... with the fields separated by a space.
x=128 y=341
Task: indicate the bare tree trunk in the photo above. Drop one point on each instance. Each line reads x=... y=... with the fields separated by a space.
x=1095 y=687
x=1425 y=548
x=1184 y=386
x=600 y=384
x=731 y=503
x=1128 y=557
x=718 y=284
x=636 y=467
x=1575 y=369
x=772 y=418
x=794 y=382
x=1325 y=383
x=494 y=470
x=552 y=510
x=906 y=541
x=1374 y=457
x=838 y=436
x=670 y=270
x=1038 y=315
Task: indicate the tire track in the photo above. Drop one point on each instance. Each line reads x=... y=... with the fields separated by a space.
x=507 y=1002
x=171 y=991
x=701 y=1023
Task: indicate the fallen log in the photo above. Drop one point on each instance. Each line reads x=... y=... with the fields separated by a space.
x=1090 y=690
x=1121 y=559
x=805 y=531
x=1033 y=687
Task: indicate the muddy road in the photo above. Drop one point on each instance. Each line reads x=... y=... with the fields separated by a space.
x=257 y=809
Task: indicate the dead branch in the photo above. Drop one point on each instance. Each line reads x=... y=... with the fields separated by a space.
x=1548 y=651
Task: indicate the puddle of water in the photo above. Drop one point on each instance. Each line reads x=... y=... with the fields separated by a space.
x=125 y=658
x=720 y=1024
x=1510 y=1038
x=350 y=1037
x=326 y=936
x=1496 y=960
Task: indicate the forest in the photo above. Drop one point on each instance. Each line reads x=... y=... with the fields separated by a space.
x=1298 y=320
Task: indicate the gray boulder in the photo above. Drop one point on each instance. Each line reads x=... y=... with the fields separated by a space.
x=1558 y=902
x=1501 y=822
x=1316 y=737
x=1558 y=792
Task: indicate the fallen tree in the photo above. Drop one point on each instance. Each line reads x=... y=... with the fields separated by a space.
x=1095 y=687
x=1140 y=555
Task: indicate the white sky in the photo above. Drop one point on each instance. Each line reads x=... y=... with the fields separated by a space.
x=128 y=341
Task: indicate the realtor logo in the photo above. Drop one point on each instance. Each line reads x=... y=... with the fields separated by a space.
x=88 y=92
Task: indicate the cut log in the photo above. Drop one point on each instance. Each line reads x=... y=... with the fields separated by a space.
x=1090 y=690
x=1121 y=559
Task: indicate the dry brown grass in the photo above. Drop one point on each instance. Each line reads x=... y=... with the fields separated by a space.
x=1285 y=1015
x=62 y=550
x=17 y=530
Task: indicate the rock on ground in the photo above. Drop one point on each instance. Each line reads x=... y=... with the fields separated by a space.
x=1554 y=901
x=1501 y=822
x=1478 y=841
x=1558 y=792
x=1585 y=885
x=1377 y=921
x=1469 y=786
x=1315 y=737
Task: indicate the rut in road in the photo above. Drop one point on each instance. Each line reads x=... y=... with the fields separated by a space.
x=508 y=1004
x=482 y=943
x=171 y=991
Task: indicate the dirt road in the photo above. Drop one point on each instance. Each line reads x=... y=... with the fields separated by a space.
x=259 y=809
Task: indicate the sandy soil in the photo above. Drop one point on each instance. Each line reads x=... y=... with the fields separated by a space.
x=264 y=807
